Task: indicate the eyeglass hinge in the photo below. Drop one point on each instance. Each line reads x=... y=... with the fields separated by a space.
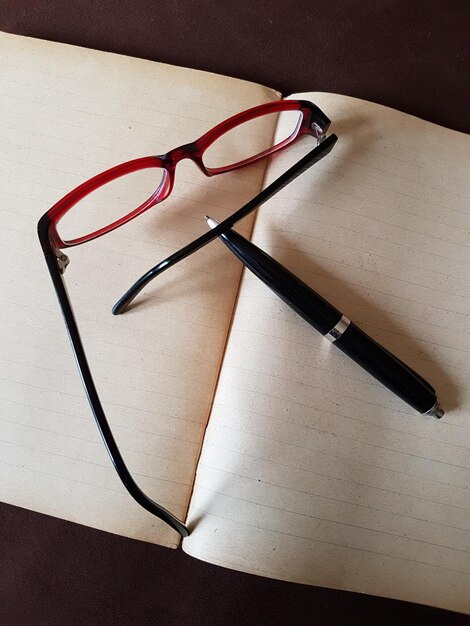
x=62 y=260
x=320 y=134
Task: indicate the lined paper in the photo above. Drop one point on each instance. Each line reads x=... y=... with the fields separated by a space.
x=66 y=114
x=311 y=471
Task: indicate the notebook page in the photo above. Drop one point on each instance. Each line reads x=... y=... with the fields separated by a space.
x=66 y=114
x=311 y=471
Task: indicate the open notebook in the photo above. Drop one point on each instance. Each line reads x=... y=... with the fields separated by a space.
x=286 y=459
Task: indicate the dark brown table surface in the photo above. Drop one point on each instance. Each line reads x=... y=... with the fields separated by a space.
x=413 y=56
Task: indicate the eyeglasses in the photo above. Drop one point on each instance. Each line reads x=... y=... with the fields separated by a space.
x=131 y=199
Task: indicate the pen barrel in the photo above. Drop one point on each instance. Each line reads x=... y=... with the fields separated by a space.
x=372 y=357
x=387 y=369
x=307 y=303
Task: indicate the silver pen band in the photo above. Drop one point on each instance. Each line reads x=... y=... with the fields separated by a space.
x=336 y=332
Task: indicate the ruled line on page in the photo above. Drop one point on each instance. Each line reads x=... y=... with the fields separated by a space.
x=368 y=486
x=342 y=358
x=305 y=433
x=339 y=393
x=88 y=462
x=343 y=416
x=180 y=508
x=86 y=96
x=86 y=111
x=75 y=80
x=98 y=443
x=340 y=545
x=322 y=169
x=437 y=169
x=348 y=438
x=336 y=522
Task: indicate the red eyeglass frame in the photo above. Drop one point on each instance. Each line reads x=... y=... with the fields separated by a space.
x=311 y=122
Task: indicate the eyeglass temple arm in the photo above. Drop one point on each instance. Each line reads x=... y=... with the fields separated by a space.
x=307 y=161
x=92 y=393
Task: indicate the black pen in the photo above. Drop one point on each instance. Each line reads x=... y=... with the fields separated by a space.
x=332 y=324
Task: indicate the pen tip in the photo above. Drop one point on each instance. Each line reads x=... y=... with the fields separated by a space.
x=211 y=221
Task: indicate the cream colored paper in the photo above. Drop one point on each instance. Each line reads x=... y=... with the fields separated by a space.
x=66 y=114
x=311 y=471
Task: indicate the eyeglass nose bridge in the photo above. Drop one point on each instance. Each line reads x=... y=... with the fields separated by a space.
x=186 y=151
x=192 y=151
x=170 y=160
